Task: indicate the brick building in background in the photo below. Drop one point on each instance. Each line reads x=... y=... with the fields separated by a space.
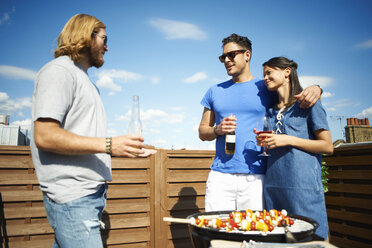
x=358 y=130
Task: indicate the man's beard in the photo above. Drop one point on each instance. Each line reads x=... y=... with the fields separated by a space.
x=95 y=57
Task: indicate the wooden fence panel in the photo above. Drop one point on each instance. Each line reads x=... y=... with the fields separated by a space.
x=128 y=216
x=129 y=213
x=349 y=199
x=182 y=189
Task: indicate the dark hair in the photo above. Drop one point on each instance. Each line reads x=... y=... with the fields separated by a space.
x=283 y=63
x=240 y=40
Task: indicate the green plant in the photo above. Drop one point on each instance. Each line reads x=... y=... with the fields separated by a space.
x=324 y=177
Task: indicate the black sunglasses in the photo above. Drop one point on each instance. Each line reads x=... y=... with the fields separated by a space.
x=104 y=37
x=231 y=55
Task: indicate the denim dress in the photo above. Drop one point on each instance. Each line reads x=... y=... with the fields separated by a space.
x=293 y=177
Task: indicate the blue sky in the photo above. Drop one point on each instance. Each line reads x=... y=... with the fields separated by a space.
x=167 y=53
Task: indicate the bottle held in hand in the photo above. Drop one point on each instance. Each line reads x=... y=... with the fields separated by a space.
x=135 y=124
x=230 y=143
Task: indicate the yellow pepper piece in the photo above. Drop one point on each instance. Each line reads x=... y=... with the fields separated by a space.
x=262 y=226
x=249 y=213
x=201 y=221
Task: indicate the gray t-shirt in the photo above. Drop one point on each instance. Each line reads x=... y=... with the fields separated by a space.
x=64 y=92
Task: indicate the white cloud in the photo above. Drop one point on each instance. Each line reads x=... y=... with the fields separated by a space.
x=154 y=131
x=310 y=80
x=177 y=108
x=195 y=128
x=178 y=30
x=3 y=97
x=175 y=118
x=331 y=109
x=205 y=145
x=13 y=72
x=5 y=17
x=196 y=77
x=339 y=104
x=366 y=113
x=155 y=80
x=161 y=141
x=108 y=78
x=178 y=130
x=112 y=132
x=327 y=94
x=365 y=45
x=155 y=117
x=107 y=82
x=10 y=106
x=24 y=124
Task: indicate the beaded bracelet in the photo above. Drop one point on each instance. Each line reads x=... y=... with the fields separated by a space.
x=108 y=145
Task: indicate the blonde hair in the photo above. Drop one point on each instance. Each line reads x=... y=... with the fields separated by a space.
x=76 y=36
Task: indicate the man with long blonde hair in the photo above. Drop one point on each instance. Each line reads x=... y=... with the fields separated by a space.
x=70 y=149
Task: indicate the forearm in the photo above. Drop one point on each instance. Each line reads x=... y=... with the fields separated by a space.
x=206 y=127
x=52 y=138
x=67 y=143
x=207 y=133
x=313 y=146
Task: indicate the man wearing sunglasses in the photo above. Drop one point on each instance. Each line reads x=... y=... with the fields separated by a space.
x=235 y=181
x=70 y=149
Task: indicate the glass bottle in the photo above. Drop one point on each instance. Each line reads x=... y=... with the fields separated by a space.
x=135 y=124
x=230 y=142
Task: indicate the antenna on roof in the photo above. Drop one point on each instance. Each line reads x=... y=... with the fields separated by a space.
x=339 y=118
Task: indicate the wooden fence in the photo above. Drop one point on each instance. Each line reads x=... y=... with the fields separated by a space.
x=349 y=199
x=143 y=191
x=182 y=177
x=171 y=183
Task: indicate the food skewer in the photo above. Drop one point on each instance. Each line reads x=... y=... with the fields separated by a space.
x=176 y=220
x=265 y=221
x=186 y=221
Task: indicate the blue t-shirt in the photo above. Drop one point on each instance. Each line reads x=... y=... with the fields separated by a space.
x=248 y=102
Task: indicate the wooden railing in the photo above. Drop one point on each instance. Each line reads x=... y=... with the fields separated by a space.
x=171 y=183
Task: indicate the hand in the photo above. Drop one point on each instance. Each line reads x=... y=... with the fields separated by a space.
x=130 y=146
x=309 y=96
x=271 y=140
x=260 y=138
x=147 y=152
x=227 y=125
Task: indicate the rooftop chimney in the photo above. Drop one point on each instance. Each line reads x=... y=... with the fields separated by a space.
x=4 y=119
x=358 y=130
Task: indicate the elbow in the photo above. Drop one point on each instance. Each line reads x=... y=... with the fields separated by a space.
x=201 y=137
x=205 y=135
x=329 y=150
x=39 y=142
x=43 y=140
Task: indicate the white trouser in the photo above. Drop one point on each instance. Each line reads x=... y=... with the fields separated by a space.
x=234 y=191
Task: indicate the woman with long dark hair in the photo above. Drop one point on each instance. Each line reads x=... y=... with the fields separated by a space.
x=293 y=177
